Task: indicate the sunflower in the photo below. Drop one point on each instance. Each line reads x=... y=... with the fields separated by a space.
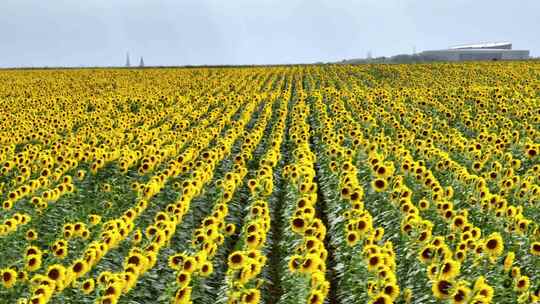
x=449 y=269
x=9 y=277
x=137 y=236
x=22 y=276
x=532 y=152
x=423 y=204
x=38 y=299
x=461 y=295
x=381 y=298
x=183 y=278
x=442 y=289
x=176 y=261
x=206 y=269
x=79 y=268
x=494 y=244
x=81 y=174
x=108 y=299
x=236 y=260
x=374 y=261
x=508 y=261
x=113 y=289
x=310 y=263
x=31 y=235
x=230 y=229
x=57 y=273
x=7 y=204
x=298 y=224
x=379 y=184
x=315 y=297
x=85 y=234
x=253 y=240
x=60 y=252
x=482 y=289
x=33 y=262
x=252 y=185
x=87 y=286
x=183 y=296
x=515 y=272
x=94 y=219
x=427 y=253
x=458 y=222
x=535 y=248
x=129 y=280
x=106 y=187
x=44 y=290
x=391 y=289
x=295 y=263
x=251 y=296
x=522 y=284
x=352 y=238
x=407 y=295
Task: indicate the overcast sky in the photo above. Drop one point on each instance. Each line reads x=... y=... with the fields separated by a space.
x=181 y=32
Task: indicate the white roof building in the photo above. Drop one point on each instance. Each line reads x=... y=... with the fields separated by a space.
x=478 y=51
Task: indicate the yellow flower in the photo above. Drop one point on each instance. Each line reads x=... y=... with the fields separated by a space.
x=374 y=261
x=31 y=235
x=79 y=268
x=88 y=286
x=407 y=295
x=522 y=284
x=94 y=219
x=298 y=224
x=251 y=296
x=230 y=229
x=33 y=262
x=391 y=289
x=183 y=278
x=108 y=299
x=381 y=298
x=461 y=295
x=535 y=248
x=379 y=184
x=352 y=238
x=295 y=263
x=442 y=289
x=183 y=296
x=449 y=269
x=494 y=244
x=509 y=260
x=9 y=277
x=482 y=289
x=310 y=263
x=114 y=289
x=57 y=273
x=206 y=269
x=315 y=297
x=190 y=264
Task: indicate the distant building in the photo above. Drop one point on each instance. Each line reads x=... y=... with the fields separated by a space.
x=127 y=60
x=141 y=63
x=480 y=51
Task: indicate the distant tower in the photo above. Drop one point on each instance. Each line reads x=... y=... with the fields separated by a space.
x=141 y=63
x=127 y=60
x=369 y=55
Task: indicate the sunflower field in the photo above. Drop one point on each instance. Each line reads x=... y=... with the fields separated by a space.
x=297 y=185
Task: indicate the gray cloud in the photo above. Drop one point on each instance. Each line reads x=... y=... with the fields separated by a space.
x=99 y=32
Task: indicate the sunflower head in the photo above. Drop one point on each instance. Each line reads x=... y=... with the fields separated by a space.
x=494 y=245
x=87 y=286
x=9 y=277
x=442 y=289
